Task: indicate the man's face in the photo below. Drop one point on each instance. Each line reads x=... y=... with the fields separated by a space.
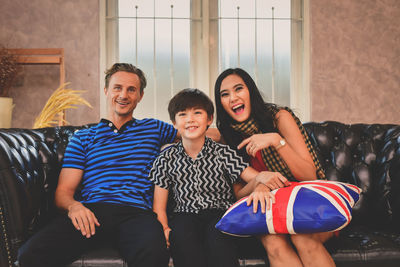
x=123 y=94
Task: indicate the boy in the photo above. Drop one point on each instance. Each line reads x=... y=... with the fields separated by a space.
x=200 y=174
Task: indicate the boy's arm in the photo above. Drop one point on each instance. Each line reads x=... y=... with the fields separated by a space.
x=160 y=205
x=160 y=208
x=259 y=193
x=259 y=186
x=242 y=189
x=248 y=175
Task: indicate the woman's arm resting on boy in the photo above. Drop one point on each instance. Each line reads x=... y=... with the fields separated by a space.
x=214 y=134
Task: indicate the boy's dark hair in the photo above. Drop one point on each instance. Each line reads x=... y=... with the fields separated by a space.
x=127 y=68
x=190 y=98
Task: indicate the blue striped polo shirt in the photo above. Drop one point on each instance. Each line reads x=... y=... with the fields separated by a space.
x=116 y=163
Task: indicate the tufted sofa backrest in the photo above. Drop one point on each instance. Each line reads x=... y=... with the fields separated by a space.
x=365 y=155
x=30 y=162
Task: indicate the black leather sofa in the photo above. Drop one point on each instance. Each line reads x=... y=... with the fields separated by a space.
x=367 y=155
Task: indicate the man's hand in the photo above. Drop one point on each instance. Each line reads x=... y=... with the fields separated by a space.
x=83 y=219
x=263 y=195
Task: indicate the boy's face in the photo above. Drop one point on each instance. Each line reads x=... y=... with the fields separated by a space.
x=192 y=123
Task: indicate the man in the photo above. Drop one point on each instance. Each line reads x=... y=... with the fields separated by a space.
x=111 y=161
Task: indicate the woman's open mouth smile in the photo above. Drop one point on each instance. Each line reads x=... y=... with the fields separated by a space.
x=238 y=109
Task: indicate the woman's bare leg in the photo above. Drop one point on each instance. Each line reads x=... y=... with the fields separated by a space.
x=311 y=249
x=280 y=252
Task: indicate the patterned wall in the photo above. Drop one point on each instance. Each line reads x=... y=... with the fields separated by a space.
x=355 y=64
x=69 y=24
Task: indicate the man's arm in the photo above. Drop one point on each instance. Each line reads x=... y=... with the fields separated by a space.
x=81 y=217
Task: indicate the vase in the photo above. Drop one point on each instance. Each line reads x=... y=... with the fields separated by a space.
x=6 y=106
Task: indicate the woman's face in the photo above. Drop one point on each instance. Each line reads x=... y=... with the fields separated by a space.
x=235 y=98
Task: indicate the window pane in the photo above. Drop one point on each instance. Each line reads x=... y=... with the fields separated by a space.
x=282 y=8
x=163 y=49
x=255 y=37
x=282 y=62
x=126 y=8
x=260 y=45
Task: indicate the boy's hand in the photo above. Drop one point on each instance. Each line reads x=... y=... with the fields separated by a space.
x=273 y=180
x=263 y=195
x=166 y=233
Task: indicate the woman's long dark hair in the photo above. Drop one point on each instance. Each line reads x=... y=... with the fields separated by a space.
x=261 y=111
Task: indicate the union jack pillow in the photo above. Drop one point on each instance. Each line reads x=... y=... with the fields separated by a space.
x=303 y=207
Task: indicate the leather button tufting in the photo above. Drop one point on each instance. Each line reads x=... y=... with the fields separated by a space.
x=362 y=154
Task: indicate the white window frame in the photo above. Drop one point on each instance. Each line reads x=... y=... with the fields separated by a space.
x=204 y=56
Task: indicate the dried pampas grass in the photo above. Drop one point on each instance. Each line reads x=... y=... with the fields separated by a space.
x=58 y=102
x=9 y=70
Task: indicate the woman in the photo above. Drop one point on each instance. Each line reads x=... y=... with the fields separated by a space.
x=273 y=139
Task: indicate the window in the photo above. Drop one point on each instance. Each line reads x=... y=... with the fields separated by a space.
x=181 y=44
x=255 y=35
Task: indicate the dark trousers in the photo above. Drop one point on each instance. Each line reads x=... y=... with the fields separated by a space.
x=136 y=233
x=195 y=241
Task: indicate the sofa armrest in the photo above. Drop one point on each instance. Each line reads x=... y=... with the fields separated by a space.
x=22 y=188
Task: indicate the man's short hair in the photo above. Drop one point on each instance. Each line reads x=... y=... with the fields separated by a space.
x=190 y=98
x=127 y=68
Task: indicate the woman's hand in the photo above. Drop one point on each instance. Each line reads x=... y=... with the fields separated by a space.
x=263 y=195
x=257 y=142
x=273 y=180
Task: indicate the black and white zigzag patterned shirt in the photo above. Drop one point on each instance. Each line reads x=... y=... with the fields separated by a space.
x=200 y=184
